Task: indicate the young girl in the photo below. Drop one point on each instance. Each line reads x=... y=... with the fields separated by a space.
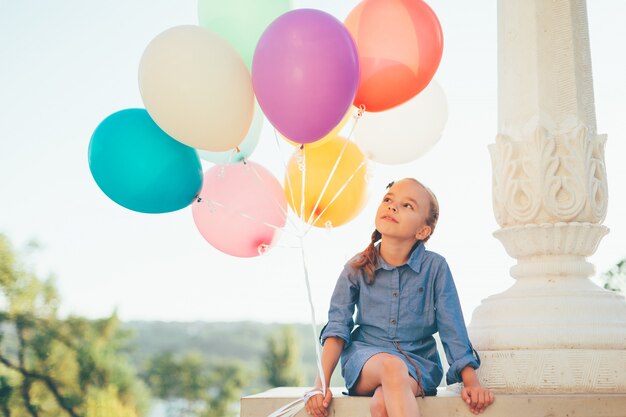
x=403 y=295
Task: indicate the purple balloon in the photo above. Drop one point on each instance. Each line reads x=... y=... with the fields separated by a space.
x=305 y=73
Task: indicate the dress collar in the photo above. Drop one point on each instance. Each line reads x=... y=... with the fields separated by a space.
x=414 y=261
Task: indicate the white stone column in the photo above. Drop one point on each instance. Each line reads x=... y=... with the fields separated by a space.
x=553 y=331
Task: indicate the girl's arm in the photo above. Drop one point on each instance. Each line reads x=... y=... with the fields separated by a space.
x=477 y=397
x=317 y=406
x=451 y=325
x=334 y=336
x=330 y=357
x=461 y=355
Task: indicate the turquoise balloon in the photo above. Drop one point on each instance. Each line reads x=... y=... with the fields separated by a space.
x=141 y=167
x=241 y=22
x=245 y=148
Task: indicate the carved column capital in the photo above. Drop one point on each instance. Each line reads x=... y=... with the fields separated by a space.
x=549 y=178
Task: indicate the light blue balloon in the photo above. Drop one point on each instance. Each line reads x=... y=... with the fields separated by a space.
x=141 y=167
x=245 y=148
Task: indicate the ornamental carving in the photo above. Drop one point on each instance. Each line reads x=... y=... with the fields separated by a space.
x=549 y=178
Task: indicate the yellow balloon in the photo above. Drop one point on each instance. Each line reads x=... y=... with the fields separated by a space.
x=333 y=133
x=346 y=193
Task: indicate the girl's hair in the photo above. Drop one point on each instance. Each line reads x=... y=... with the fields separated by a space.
x=368 y=259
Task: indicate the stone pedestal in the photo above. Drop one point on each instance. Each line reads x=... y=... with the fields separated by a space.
x=448 y=403
x=553 y=331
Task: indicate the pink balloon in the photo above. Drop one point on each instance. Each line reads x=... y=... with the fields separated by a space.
x=240 y=209
x=305 y=73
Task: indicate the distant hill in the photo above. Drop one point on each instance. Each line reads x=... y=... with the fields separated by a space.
x=218 y=342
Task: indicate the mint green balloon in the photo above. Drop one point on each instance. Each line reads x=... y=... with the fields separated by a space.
x=241 y=22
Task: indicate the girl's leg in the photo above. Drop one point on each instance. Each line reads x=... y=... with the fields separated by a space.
x=377 y=405
x=398 y=388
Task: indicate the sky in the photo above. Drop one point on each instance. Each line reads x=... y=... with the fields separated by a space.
x=66 y=65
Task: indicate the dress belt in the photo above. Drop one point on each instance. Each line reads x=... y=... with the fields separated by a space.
x=420 y=387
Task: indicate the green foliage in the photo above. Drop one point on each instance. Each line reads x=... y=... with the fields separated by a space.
x=227 y=381
x=280 y=363
x=162 y=376
x=6 y=390
x=52 y=367
x=208 y=391
x=170 y=377
x=615 y=278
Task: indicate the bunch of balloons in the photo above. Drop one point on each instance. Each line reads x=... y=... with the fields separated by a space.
x=206 y=91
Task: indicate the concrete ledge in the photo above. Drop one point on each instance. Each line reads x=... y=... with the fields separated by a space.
x=448 y=403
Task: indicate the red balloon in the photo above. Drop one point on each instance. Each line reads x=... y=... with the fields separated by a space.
x=399 y=43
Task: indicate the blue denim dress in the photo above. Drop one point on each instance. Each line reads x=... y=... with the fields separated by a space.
x=405 y=304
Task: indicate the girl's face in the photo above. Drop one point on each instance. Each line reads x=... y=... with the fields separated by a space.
x=402 y=213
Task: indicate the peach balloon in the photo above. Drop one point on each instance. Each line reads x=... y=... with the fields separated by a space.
x=400 y=44
x=240 y=209
x=197 y=88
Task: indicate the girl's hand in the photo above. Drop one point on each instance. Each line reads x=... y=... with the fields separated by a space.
x=477 y=397
x=317 y=406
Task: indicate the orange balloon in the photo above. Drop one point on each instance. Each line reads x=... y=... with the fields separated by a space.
x=338 y=204
x=400 y=44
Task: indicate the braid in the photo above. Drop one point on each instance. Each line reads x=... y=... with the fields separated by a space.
x=368 y=258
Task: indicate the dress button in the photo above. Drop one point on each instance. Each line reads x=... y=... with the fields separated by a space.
x=421 y=289
x=395 y=294
x=393 y=321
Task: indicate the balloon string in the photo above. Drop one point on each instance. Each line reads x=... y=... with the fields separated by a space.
x=357 y=117
x=293 y=203
x=328 y=179
x=334 y=169
x=303 y=166
x=345 y=184
x=286 y=247
x=318 y=354
x=211 y=203
x=231 y=154
x=294 y=407
x=264 y=184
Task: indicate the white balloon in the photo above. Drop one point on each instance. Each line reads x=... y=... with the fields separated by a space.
x=197 y=88
x=406 y=132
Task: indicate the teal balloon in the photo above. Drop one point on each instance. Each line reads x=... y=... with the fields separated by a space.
x=141 y=167
x=245 y=148
x=241 y=22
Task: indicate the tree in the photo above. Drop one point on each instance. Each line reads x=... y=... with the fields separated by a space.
x=162 y=376
x=280 y=363
x=226 y=380
x=52 y=367
x=615 y=278
x=208 y=391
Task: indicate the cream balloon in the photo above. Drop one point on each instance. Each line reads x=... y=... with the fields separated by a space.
x=406 y=132
x=197 y=88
